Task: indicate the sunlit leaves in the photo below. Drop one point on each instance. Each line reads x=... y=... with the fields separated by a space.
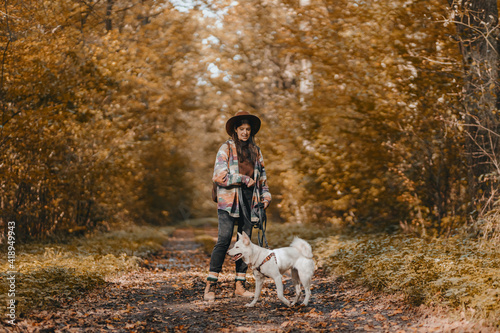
x=79 y=103
x=455 y=272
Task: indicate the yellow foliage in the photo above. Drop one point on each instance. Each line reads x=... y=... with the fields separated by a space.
x=49 y=273
x=461 y=274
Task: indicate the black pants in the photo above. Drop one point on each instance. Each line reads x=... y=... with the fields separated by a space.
x=226 y=228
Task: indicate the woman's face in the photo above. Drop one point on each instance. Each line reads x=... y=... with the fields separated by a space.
x=243 y=132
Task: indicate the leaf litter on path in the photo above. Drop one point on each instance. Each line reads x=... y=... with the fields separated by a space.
x=166 y=295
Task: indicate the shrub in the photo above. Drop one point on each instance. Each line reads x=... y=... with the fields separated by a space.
x=459 y=273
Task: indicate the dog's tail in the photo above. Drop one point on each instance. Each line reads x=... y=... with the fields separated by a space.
x=303 y=247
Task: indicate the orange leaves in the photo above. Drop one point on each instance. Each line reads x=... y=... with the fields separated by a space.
x=396 y=312
x=82 y=104
x=336 y=314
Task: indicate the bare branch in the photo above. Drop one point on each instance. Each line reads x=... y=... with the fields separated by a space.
x=8 y=15
x=478 y=31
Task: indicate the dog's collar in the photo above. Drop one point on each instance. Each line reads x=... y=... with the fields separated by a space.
x=266 y=260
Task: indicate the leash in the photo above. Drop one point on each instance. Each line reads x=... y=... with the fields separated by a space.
x=261 y=234
x=261 y=224
x=261 y=213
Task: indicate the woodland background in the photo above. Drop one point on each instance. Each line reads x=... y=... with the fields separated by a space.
x=380 y=135
x=377 y=114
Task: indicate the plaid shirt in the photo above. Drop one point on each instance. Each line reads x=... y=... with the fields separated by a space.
x=228 y=180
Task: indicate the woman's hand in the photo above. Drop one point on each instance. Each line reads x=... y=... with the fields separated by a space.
x=251 y=182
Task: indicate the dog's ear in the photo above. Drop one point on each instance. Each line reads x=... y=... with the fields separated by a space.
x=239 y=235
x=246 y=239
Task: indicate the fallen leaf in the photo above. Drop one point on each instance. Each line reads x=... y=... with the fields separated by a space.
x=336 y=314
x=395 y=312
x=368 y=328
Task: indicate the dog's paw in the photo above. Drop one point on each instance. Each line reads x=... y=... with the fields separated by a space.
x=250 y=305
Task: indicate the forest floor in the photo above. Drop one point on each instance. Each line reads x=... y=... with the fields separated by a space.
x=166 y=295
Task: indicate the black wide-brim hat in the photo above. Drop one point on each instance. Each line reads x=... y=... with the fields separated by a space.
x=253 y=120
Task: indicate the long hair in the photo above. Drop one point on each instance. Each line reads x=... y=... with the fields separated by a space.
x=248 y=149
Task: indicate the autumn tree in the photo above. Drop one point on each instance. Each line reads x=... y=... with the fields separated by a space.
x=114 y=109
x=389 y=156
x=370 y=144
x=476 y=24
x=82 y=101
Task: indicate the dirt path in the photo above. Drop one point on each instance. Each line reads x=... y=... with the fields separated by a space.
x=166 y=296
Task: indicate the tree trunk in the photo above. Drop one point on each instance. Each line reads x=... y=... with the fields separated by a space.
x=477 y=28
x=108 y=22
x=144 y=17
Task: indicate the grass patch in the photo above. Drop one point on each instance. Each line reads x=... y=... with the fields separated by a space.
x=199 y=226
x=207 y=243
x=281 y=235
x=461 y=274
x=50 y=274
x=202 y=222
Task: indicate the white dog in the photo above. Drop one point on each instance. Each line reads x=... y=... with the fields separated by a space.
x=273 y=263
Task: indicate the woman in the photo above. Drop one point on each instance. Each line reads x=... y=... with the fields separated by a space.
x=239 y=164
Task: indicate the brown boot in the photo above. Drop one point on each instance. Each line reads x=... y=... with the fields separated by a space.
x=210 y=291
x=239 y=289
